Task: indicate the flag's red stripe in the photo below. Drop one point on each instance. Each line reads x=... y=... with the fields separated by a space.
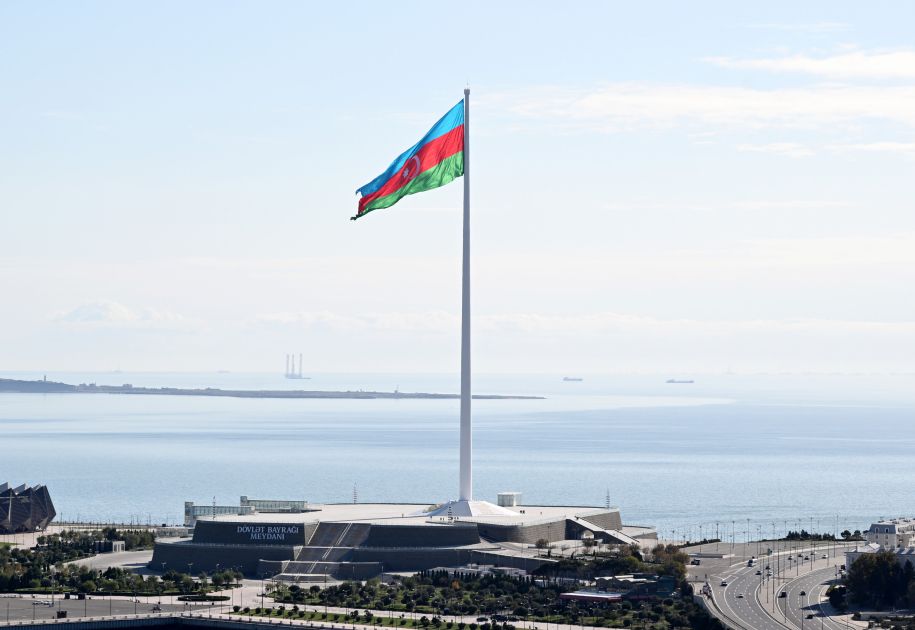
x=430 y=154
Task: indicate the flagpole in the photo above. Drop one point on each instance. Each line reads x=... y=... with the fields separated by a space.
x=466 y=430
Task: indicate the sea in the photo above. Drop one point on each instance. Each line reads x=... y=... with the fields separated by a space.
x=728 y=455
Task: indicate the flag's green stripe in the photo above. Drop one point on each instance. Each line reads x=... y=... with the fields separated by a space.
x=439 y=175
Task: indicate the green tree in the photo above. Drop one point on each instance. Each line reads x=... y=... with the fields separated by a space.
x=876 y=579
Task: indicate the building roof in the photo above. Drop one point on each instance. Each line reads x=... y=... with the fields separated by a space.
x=412 y=514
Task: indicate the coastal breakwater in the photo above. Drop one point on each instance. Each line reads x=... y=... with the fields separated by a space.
x=52 y=387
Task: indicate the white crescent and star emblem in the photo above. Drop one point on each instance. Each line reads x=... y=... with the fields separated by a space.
x=410 y=169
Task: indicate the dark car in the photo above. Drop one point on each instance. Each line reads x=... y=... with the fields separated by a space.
x=783 y=594
x=803 y=593
x=810 y=616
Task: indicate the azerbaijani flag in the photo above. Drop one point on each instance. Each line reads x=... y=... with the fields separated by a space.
x=434 y=161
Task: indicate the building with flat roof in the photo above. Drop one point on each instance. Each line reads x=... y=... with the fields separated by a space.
x=192 y=511
x=274 y=505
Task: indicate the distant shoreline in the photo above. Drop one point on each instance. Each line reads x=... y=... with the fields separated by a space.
x=12 y=386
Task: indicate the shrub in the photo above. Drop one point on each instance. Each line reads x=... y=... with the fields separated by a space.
x=236 y=608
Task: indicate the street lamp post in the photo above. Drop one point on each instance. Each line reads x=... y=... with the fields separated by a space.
x=802 y=596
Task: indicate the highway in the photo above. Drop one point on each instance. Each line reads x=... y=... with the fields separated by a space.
x=752 y=601
x=814 y=584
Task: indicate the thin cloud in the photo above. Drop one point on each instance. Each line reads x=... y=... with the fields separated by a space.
x=429 y=322
x=899 y=64
x=810 y=27
x=729 y=206
x=907 y=148
x=621 y=107
x=584 y=324
x=108 y=313
x=789 y=149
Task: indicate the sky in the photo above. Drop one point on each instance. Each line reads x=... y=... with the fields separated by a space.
x=656 y=186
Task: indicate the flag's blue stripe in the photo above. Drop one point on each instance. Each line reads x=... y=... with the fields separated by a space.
x=447 y=122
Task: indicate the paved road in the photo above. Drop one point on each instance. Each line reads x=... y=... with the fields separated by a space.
x=751 y=601
x=44 y=607
x=814 y=584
